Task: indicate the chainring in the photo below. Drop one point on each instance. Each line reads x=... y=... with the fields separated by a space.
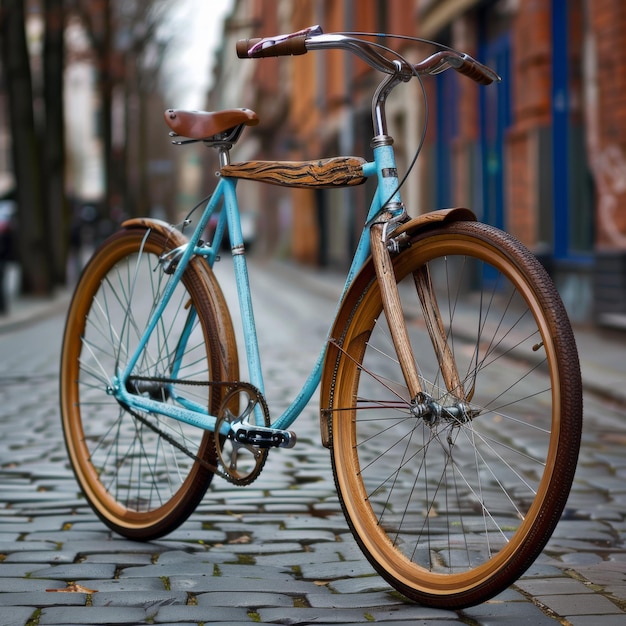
x=240 y=463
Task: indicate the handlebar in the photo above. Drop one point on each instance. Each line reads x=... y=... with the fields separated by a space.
x=312 y=38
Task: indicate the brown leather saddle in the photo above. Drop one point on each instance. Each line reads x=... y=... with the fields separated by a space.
x=203 y=125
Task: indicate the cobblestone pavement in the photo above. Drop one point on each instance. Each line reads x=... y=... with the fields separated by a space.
x=278 y=551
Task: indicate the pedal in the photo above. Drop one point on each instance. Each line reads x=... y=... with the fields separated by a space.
x=262 y=436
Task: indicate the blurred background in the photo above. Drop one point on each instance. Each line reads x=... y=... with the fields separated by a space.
x=83 y=146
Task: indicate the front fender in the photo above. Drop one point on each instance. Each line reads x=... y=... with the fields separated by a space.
x=363 y=279
x=458 y=214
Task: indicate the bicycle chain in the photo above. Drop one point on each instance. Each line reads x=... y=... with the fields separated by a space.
x=194 y=383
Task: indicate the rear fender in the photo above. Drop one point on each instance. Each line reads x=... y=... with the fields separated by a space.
x=159 y=226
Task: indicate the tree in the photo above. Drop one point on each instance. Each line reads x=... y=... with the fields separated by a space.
x=55 y=204
x=97 y=17
x=123 y=36
x=31 y=239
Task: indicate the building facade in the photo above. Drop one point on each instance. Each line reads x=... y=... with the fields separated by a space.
x=541 y=154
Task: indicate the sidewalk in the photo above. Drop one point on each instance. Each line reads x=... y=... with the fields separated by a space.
x=602 y=352
x=602 y=355
x=25 y=310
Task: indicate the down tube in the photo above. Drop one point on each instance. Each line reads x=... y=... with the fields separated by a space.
x=308 y=389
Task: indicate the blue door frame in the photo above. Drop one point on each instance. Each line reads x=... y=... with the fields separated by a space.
x=560 y=129
x=447 y=123
x=495 y=119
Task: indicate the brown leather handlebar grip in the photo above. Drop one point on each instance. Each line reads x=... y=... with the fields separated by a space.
x=287 y=47
x=243 y=45
x=476 y=71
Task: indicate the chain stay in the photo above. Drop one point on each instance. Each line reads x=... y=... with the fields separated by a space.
x=210 y=466
x=213 y=467
x=260 y=437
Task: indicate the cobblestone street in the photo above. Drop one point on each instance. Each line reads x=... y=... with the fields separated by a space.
x=278 y=551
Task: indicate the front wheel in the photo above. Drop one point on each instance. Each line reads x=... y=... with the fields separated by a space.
x=143 y=473
x=453 y=503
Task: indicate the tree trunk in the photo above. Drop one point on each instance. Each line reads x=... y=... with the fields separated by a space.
x=57 y=225
x=97 y=17
x=31 y=239
x=104 y=49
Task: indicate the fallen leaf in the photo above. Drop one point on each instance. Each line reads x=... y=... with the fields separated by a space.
x=74 y=588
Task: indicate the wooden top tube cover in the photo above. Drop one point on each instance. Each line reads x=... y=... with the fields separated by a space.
x=321 y=174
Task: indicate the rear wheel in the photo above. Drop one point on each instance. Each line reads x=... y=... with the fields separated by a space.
x=453 y=495
x=143 y=473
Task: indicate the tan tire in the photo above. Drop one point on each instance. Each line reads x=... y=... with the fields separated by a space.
x=141 y=483
x=452 y=508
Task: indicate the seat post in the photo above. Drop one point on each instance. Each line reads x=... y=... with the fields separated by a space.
x=223 y=152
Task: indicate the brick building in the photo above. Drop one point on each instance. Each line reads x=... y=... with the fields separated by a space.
x=542 y=154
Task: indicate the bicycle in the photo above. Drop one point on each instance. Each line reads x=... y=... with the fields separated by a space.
x=452 y=468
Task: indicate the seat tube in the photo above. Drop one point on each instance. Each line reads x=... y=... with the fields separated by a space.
x=242 y=281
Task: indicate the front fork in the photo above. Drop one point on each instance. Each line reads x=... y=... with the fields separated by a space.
x=424 y=406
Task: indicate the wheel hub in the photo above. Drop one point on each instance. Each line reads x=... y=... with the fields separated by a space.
x=432 y=412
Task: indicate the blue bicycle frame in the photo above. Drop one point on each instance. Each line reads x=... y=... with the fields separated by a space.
x=387 y=195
